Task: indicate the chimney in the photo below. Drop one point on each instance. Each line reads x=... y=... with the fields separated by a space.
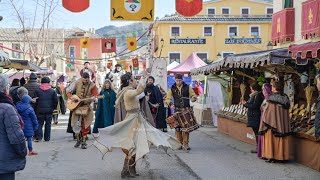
x=93 y=31
x=89 y=29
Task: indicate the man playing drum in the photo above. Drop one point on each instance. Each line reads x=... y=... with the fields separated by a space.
x=182 y=94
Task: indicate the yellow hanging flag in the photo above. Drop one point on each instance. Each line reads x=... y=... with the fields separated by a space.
x=132 y=43
x=84 y=42
x=132 y=10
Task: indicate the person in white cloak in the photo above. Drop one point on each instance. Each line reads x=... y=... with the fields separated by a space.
x=134 y=134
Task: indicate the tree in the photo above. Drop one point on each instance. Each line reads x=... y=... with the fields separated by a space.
x=36 y=34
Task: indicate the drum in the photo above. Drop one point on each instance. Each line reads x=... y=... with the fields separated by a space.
x=172 y=121
x=187 y=121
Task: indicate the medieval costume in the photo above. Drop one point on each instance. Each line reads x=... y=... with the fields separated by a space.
x=61 y=108
x=158 y=112
x=82 y=116
x=105 y=112
x=266 y=90
x=181 y=96
x=134 y=134
x=275 y=127
x=114 y=76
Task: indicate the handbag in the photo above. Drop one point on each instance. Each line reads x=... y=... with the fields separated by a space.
x=82 y=111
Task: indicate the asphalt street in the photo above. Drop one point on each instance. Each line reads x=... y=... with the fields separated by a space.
x=213 y=156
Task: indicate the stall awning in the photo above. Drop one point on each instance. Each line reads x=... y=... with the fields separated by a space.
x=310 y=19
x=4 y=58
x=192 y=61
x=308 y=50
x=246 y=60
x=23 y=65
x=283 y=26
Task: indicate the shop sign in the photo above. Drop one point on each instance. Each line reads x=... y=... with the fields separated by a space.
x=243 y=41
x=187 y=41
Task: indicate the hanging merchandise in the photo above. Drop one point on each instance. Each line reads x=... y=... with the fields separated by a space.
x=84 y=42
x=109 y=45
x=135 y=63
x=188 y=7
x=76 y=5
x=132 y=43
x=132 y=10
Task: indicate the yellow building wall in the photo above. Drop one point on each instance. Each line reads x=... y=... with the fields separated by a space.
x=216 y=43
x=235 y=7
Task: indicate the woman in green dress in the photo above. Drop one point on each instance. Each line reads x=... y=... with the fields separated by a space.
x=106 y=110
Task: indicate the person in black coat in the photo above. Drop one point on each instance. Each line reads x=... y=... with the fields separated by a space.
x=47 y=101
x=156 y=104
x=254 y=111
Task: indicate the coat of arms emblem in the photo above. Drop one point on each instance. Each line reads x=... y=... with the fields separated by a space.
x=132 y=6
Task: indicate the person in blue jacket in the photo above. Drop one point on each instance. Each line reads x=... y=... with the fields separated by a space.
x=28 y=116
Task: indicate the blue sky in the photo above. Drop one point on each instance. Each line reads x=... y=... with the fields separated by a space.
x=97 y=16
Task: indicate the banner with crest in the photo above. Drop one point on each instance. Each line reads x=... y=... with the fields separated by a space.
x=132 y=10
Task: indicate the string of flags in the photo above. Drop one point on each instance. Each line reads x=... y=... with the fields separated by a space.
x=135 y=10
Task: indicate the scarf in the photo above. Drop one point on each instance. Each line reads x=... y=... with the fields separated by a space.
x=45 y=86
x=8 y=100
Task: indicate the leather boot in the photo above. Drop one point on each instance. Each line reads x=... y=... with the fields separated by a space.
x=186 y=141
x=78 y=140
x=179 y=136
x=132 y=167
x=125 y=170
x=84 y=143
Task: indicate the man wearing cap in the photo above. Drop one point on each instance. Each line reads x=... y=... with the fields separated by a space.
x=82 y=116
x=181 y=94
x=32 y=85
x=88 y=70
x=115 y=75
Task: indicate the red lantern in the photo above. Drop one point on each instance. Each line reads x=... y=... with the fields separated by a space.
x=188 y=7
x=76 y=5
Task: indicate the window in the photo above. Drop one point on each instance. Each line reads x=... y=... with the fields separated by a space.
x=175 y=31
x=207 y=31
x=174 y=57
x=245 y=12
x=269 y=11
x=225 y=54
x=203 y=56
x=16 y=54
x=225 y=11
x=288 y=4
x=255 y=31
x=233 y=31
x=211 y=11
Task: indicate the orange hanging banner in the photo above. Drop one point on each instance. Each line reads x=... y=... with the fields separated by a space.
x=132 y=10
x=132 y=43
x=84 y=42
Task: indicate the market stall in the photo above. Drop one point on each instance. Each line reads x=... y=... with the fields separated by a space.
x=298 y=73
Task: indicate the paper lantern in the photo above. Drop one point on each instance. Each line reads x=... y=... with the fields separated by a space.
x=132 y=44
x=84 y=42
x=76 y=5
x=188 y=7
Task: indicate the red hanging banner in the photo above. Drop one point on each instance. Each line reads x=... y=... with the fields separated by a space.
x=109 y=45
x=283 y=26
x=76 y=5
x=135 y=63
x=310 y=19
x=188 y=7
